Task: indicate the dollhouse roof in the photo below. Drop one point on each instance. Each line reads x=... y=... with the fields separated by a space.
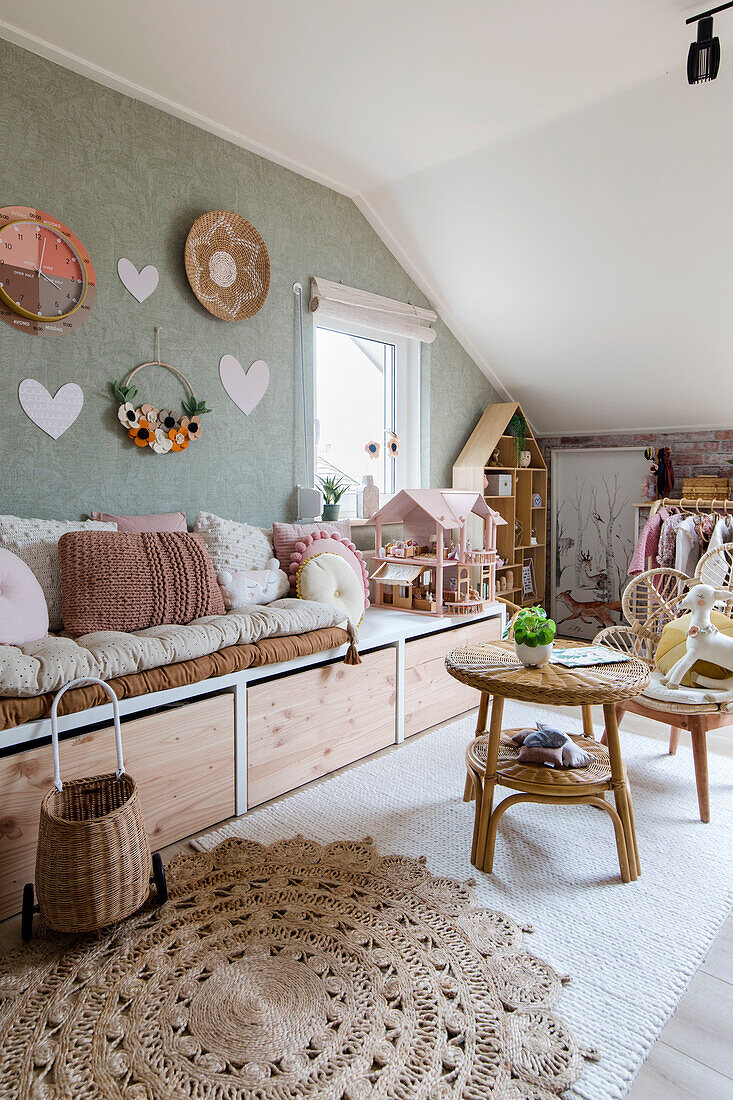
x=448 y=507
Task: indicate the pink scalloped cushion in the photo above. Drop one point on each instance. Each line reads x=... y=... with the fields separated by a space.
x=23 y=611
x=334 y=543
x=286 y=535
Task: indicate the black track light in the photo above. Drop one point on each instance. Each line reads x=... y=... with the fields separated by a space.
x=703 y=59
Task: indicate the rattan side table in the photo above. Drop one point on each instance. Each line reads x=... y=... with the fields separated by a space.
x=491 y=758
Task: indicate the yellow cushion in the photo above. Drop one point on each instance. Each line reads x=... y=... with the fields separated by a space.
x=672 y=646
x=328 y=578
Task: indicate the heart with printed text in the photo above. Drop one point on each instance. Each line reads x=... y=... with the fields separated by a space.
x=53 y=415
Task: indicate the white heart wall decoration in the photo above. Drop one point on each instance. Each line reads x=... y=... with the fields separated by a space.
x=53 y=415
x=141 y=284
x=246 y=388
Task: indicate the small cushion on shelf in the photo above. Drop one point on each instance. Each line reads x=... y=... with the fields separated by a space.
x=253 y=586
x=333 y=543
x=35 y=541
x=122 y=581
x=673 y=644
x=165 y=521
x=23 y=611
x=328 y=578
x=285 y=536
x=233 y=545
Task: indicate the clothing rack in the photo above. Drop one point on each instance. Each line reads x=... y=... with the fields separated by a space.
x=685 y=505
x=698 y=505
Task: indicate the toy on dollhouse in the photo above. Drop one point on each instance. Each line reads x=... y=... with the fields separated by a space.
x=429 y=569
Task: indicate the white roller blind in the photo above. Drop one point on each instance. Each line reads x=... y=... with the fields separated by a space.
x=345 y=304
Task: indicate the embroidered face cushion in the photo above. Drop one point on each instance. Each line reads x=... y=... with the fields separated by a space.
x=23 y=611
x=673 y=645
x=246 y=587
x=333 y=543
x=328 y=578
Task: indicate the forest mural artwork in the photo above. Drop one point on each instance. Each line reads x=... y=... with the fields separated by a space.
x=593 y=517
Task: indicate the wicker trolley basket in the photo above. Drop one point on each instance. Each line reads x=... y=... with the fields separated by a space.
x=93 y=861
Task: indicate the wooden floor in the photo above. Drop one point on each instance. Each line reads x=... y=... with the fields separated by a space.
x=693 y=1059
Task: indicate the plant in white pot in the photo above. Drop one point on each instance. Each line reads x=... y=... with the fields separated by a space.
x=332 y=489
x=534 y=635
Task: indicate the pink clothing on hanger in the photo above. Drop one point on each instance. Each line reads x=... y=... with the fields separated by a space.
x=647 y=544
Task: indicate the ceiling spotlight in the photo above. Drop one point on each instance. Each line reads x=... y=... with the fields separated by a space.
x=703 y=60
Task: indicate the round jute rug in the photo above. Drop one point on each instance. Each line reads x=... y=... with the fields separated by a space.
x=295 y=970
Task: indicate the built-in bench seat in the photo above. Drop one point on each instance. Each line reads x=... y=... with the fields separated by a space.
x=212 y=736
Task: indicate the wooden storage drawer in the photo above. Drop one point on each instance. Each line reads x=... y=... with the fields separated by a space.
x=303 y=726
x=182 y=760
x=431 y=695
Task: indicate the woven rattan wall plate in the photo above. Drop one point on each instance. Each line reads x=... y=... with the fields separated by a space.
x=227 y=265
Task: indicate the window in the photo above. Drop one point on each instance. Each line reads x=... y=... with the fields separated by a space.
x=366 y=389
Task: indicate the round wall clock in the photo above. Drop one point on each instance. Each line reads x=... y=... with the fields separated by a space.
x=227 y=265
x=47 y=281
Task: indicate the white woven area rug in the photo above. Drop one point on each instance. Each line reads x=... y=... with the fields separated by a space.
x=631 y=949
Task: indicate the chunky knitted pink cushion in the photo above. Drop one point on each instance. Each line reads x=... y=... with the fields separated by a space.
x=113 y=580
x=23 y=611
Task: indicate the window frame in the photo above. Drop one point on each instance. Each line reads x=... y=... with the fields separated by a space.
x=406 y=466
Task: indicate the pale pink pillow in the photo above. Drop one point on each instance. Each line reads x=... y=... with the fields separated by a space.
x=136 y=525
x=323 y=543
x=23 y=611
x=285 y=536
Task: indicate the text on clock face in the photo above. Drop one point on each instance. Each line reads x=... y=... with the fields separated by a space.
x=40 y=270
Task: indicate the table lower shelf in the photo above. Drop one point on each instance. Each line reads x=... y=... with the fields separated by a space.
x=539 y=778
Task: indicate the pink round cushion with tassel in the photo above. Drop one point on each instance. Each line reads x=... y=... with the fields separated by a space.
x=23 y=610
x=333 y=543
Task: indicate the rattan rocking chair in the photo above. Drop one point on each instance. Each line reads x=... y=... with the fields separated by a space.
x=649 y=603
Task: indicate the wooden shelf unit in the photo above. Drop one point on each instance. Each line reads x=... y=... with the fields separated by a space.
x=469 y=471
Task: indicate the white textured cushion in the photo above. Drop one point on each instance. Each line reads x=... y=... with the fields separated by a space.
x=35 y=541
x=684 y=697
x=233 y=546
x=328 y=578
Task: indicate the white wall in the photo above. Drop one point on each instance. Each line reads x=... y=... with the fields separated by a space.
x=591 y=260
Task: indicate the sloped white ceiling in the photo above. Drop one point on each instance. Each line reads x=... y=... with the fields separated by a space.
x=542 y=169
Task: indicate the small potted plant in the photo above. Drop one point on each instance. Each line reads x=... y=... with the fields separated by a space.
x=534 y=634
x=332 y=488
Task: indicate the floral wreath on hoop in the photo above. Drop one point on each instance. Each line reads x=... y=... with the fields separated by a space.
x=159 y=429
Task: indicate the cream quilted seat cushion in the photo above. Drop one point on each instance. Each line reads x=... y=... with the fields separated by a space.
x=49 y=663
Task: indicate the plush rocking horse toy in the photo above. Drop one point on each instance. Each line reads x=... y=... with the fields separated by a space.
x=704 y=641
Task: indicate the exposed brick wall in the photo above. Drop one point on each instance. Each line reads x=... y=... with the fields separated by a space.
x=693 y=454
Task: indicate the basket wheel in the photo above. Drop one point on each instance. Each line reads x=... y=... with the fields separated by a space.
x=159 y=878
x=26 y=917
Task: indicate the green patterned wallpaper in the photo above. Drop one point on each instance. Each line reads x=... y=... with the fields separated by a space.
x=130 y=180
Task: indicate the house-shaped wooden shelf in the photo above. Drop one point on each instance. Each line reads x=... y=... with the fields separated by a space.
x=489 y=464
x=429 y=570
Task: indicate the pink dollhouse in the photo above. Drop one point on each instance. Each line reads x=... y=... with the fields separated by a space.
x=433 y=570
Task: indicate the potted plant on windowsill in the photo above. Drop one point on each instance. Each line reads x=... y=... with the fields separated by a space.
x=534 y=635
x=332 y=489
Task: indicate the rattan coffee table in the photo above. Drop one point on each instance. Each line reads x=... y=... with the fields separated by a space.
x=492 y=757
